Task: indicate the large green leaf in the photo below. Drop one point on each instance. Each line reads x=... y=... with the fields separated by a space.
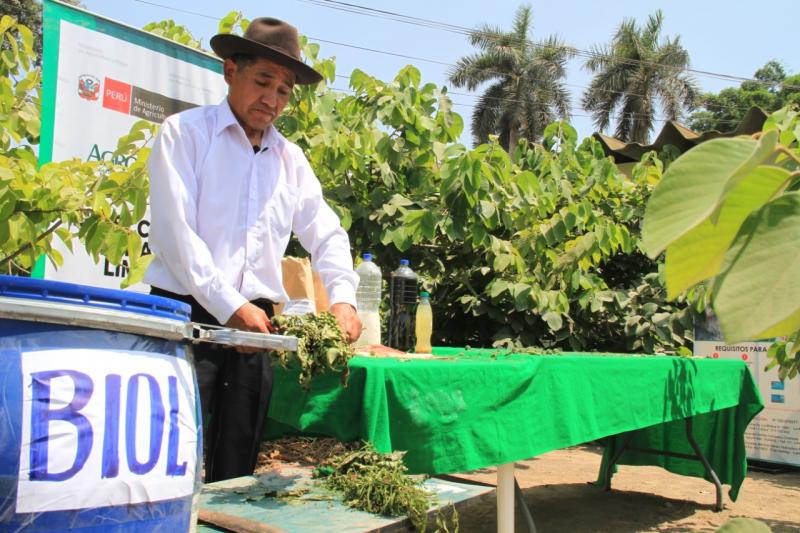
x=553 y=319
x=764 y=149
x=696 y=183
x=136 y=273
x=698 y=254
x=744 y=525
x=420 y=224
x=758 y=294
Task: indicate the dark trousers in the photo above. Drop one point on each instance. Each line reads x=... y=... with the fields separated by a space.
x=235 y=389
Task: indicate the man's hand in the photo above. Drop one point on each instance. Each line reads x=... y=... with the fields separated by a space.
x=250 y=318
x=348 y=321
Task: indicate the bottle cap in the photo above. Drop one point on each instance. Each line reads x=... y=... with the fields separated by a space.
x=424 y=294
x=367 y=256
x=404 y=262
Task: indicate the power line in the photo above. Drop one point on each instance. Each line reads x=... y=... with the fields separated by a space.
x=389 y=15
x=466 y=31
x=155 y=4
x=433 y=61
x=461 y=30
x=384 y=52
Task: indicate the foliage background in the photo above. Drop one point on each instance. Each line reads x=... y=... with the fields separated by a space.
x=773 y=89
x=537 y=247
x=96 y=202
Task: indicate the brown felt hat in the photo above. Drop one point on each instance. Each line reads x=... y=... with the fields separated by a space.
x=270 y=38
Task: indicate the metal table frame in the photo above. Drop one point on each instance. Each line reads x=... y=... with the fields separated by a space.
x=698 y=456
x=507 y=486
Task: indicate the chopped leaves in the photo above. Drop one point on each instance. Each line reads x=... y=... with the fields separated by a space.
x=377 y=483
x=322 y=346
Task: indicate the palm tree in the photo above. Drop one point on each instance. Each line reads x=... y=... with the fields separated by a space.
x=526 y=93
x=632 y=74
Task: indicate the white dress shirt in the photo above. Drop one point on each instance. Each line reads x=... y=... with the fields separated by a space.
x=222 y=215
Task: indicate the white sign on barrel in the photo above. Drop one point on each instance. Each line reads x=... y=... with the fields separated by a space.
x=103 y=428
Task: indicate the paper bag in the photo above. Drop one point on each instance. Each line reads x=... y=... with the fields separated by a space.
x=304 y=287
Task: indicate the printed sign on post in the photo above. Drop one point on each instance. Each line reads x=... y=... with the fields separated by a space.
x=105 y=427
x=104 y=78
x=774 y=434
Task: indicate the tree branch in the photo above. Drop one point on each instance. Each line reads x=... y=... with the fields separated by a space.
x=7 y=259
x=790 y=154
x=49 y=211
x=18 y=267
x=468 y=285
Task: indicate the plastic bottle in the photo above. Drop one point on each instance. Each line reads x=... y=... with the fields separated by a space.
x=403 y=298
x=424 y=324
x=368 y=300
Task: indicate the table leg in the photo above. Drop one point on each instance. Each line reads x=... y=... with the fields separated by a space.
x=505 y=498
x=709 y=469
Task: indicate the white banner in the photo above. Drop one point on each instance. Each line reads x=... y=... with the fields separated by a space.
x=774 y=434
x=105 y=427
x=105 y=82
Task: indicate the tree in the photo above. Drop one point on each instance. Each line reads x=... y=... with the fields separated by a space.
x=634 y=75
x=29 y=14
x=772 y=90
x=537 y=247
x=517 y=249
x=527 y=91
x=96 y=202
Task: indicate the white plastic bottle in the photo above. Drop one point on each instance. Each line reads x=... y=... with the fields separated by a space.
x=368 y=299
x=424 y=324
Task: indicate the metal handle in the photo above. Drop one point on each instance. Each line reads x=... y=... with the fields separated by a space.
x=118 y=320
x=246 y=339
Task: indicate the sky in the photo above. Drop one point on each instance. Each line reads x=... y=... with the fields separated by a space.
x=730 y=37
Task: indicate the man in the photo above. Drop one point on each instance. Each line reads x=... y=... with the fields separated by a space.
x=226 y=192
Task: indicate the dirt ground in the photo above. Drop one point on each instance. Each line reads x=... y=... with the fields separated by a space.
x=557 y=489
x=642 y=499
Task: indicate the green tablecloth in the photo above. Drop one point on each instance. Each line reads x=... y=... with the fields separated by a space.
x=472 y=409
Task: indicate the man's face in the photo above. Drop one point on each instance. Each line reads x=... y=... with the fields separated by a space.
x=258 y=92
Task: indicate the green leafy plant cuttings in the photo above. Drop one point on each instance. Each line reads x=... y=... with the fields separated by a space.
x=377 y=483
x=322 y=346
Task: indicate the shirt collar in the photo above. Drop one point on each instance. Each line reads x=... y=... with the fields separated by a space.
x=226 y=119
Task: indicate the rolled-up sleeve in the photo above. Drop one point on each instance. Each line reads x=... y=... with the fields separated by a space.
x=173 y=237
x=321 y=233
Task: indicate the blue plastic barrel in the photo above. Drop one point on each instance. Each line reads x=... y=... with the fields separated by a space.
x=100 y=412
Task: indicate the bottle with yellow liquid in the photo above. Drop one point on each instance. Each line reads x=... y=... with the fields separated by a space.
x=424 y=324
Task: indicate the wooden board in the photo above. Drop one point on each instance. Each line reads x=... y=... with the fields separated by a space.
x=290 y=500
